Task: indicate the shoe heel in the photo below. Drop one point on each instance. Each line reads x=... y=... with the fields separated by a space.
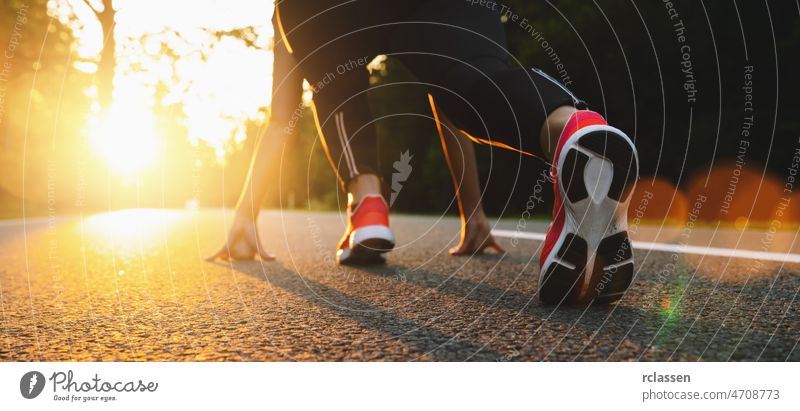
x=617 y=148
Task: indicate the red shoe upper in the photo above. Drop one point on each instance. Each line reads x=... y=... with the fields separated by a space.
x=371 y=210
x=577 y=121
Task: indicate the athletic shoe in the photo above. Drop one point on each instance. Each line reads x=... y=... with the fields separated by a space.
x=587 y=256
x=368 y=235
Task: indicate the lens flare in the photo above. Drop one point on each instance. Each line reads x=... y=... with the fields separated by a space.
x=125 y=138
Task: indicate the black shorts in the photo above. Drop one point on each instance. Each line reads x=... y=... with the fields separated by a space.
x=456 y=49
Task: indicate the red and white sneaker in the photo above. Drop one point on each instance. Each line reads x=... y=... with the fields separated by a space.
x=587 y=256
x=368 y=235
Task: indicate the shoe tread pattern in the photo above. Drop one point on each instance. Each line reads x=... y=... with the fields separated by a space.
x=613 y=268
x=561 y=284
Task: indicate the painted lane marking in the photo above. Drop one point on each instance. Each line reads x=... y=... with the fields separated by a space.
x=678 y=248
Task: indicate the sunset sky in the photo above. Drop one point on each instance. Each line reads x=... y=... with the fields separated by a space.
x=221 y=83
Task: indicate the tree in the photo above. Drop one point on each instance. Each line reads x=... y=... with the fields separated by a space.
x=107 y=63
x=41 y=104
x=105 y=13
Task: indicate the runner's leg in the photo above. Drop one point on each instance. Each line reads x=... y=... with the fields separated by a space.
x=333 y=57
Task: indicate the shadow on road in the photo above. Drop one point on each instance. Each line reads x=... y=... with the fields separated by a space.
x=689 y=333
x=423 y=340
x=669 y=320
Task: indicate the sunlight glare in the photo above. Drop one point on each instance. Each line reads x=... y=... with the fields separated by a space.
x=126 y=138
x=128 y=226
x=220 y=84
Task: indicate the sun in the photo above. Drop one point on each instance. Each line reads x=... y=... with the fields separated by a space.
x=126 y=138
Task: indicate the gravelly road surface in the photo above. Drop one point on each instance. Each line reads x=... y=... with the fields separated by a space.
x=132 y=285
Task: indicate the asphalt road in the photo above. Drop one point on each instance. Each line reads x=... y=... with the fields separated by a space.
x=133 y=285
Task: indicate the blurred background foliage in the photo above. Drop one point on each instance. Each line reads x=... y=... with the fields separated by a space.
x=621 y=57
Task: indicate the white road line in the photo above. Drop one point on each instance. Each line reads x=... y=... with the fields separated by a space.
x=677 y=248
x=30 y=221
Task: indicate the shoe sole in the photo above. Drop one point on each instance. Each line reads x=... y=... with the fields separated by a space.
x=592 y=260
x=367 y=246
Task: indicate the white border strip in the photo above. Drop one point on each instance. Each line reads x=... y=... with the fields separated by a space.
x=355 y=386
x=676 y=248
